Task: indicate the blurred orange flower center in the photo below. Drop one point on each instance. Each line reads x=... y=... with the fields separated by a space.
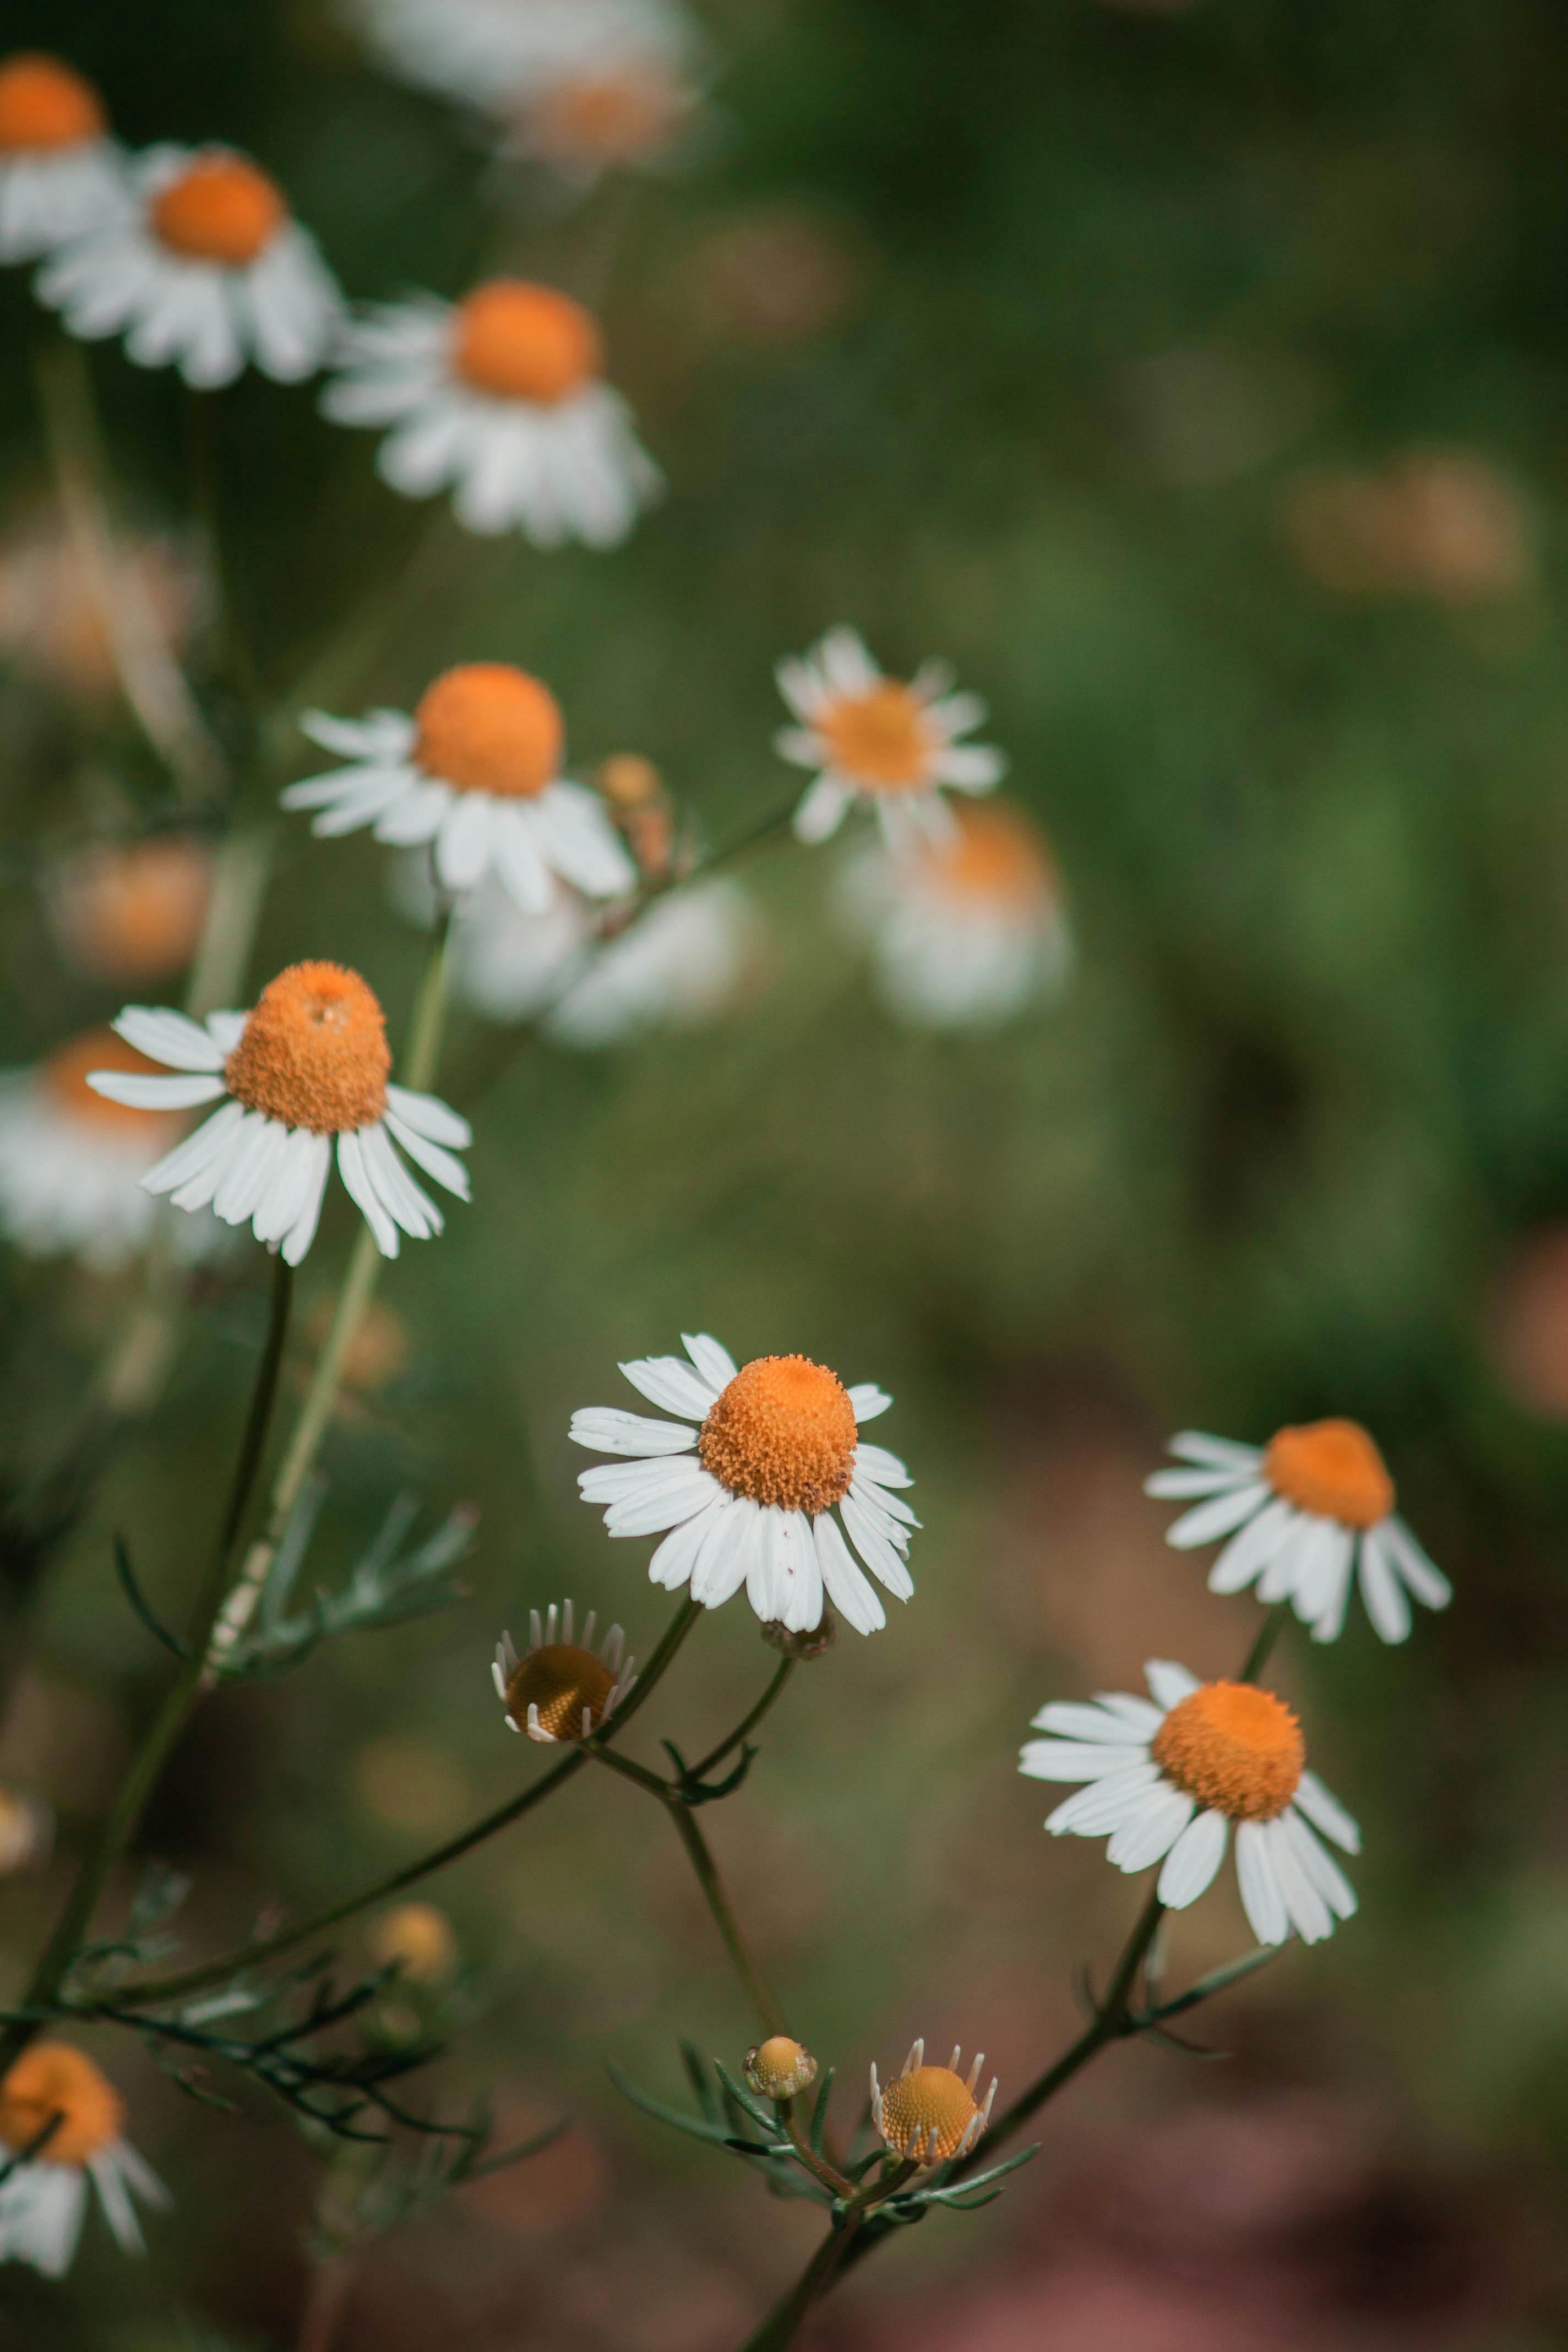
x=222 y=209
x=1332 y=1469
x=45 y=105
x=782 y=1432
x=519 y=341
x=610 y=118
x=63 y=1079
x=488 y=728
x=933 y=2098
x=881 y=740
x=1238 y=1749
x=53 y=2079
x=996 y=859
x=135 y=912
x=559 y=1680
x=419 y=1940
x=314 y=1052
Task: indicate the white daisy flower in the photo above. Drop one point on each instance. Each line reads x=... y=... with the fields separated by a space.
x=72 y=1164
x=43 y=2201
x=964 y=932
x=881 y=739
x=200 y=267
x=495 y=54
x=777 y=1455
x=928 y=2115
x=1303 y=1514
x=619 y=113
x=476 y=772
x=561 y=1688
x=60 y=173
x=500 y=397
x=306 y=1068
x=1169 y=1775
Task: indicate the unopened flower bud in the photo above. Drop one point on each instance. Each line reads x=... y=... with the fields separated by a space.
x=778 y=2068
x=813 y=1644
x=416 y=1938
x=628 y=781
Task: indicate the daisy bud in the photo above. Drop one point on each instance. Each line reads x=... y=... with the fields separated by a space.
x=928 y=2115
x=561 y=1688
x=779 y=2068
x=628 y=781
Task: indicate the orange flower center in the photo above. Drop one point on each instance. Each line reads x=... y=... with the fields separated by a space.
x=519 y=341
x=1238 y=1749
x=933 y=2098
x=222 y=209
x=64 y=1080
x=881 y=740
x=486 y=727
x=559 y=1680
x=45 y=105
x=1332 y=1469
x=52 y=2079
x=996 y=859
x=610 y=118
x=136 y=913
x=782 y=1432
x=315 y=1051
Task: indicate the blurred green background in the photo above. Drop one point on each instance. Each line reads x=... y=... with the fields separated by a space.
x=1194 y=378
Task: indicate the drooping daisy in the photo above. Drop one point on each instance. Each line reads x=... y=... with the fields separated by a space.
x=1303 y=1513
x=928 y=2115
x=1170 y=1775
x=60 y=173
x=495 y=54
x=501 y=398
x=891 y=743
x=776 y=1455
x=201 y=267
x=42 y=2202
x=964 y=932
x=475 y=771
x=561 y=1688
x=72 y=1164
x=306 y=1068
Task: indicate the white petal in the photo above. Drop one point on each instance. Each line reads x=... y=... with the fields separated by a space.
x=1245 y=1554
x=1169 y=1682
x=1326 y=1814
x=463 y=844
x=143 y=1091
x=1322 y=1870
x=855 y=1599
x=1260 y=1896
x=405 y=1200
x=822 y=810
x=168 y=1037
x=1191 y=1864
x=436 y=1162
x=1215 y=1478
x=686 y=1489
x=1215 y=1518
x=1105 y=1804
x=1383 y=1594
x=1425 y=1577
x=1310 y=1915
x=605 y=1428
x=868 y=1400
x=1075 y=1760
x=359 y=1186
x=198 y=1151
x=885 y=1468
x=665 y=1381
x=291 y=1185
x=797 y=1577
x=517 y=861
x=302 y=1233
x=874 y=1547
x=257 y=1150
x=115 y=2198
x=715 y=1363
x=729 y=1551
x=1294 y=1558
x=1071 y=1719
x=428 y=1115
x=671 y=1563
x=1136 y=1843
x=1194 y=1446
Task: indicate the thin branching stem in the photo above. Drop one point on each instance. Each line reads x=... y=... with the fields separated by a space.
x=747 y=1724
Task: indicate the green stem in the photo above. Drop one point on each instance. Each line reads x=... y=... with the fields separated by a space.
x=287 y=1939
x=717 y=1897
x=783 y=2322
x=1269 y=1632
x=747 y=1724
x=119 y=1827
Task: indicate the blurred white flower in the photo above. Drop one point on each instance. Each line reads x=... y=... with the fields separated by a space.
x=60 y=173
x=964 y=932
x=72 y=1164
x=501 y=398
x=498 y=54
x=476 y=772
x=891 y=743
x=202 y=266
x=776 y=1451
x=43 y=2200
x=1168 y=1778
x=1304 y=1513
x=561 y=1688
x=306 y=1068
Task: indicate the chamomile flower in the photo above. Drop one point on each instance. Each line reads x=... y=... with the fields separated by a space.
x=776 y=1456
x=928 y=2115
x=306 y=1069
x=476 y=772
x=202 y=266
x=1303 y=1514
x=886 y=741
x=1168 y=1778
x=43 y=2200
x=72 y=1164
x=962 y=931
x=501 y=398
x=561 y=1688
x=60 y=172
x=617 y=113
x=497 y=55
